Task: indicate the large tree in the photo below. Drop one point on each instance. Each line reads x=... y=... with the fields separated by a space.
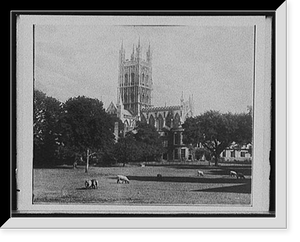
x=127 y=149
x=88 y=129
x=216 y=131
x=143 y=143
x=149 y=139
x=47 y=131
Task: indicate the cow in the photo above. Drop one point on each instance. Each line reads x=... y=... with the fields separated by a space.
x=240 y=176
x=91 y=183
x=200 y=173
x=233 y=173
x=159 y=176
x=122 y=179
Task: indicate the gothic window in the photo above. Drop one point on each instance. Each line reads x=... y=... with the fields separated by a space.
x=132 y=78
x=169 y=119
x=176 y=120
x=132 y=97
x=143 y=78
x=143 y=119
x=160 y=122
x=152 y=121
x=147 y=79
x=125 y=98
x=126 y=79
x=126 y=125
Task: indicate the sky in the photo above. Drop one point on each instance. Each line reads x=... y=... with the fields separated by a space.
x=214 y=64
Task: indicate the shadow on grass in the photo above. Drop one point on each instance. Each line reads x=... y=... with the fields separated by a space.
x=62 y=167
x=81 y=188
x=242 y=188
x=218 y=170
x=188 y=179
x=222 y=171
x=84 y=189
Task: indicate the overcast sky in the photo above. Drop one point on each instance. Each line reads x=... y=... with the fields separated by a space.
x=215 y=64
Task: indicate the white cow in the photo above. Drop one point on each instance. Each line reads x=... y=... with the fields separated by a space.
x=200 y=173
x=122 y=179
x=233 y=173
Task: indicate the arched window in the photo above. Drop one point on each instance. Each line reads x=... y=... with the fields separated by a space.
x=126 y=125
x=125 y=98
x=160 y=122
x=147 y=79
x=143 y=78
x=132 y=78
x=152 y=120
x=126 y=79
x=176 y=120
x=132 y=97
x=143 y=119
x=169 y=119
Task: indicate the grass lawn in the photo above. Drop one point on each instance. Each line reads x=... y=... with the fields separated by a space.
x=179 y=185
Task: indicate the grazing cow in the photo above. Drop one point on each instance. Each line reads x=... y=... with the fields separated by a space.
x=88 y=183
x=91 y=183
x=94 y=183
x=122 y=179
x=233 y=173
x=159 y=176
x=200 y=173
x=240 y=176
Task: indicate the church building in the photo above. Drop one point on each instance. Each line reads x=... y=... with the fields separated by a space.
x=134 y=103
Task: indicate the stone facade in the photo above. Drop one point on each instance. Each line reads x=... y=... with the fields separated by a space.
x=134 y=103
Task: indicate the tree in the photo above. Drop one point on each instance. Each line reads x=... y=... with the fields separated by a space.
x=47 y=131
x=127 y=149
x=88 y=129
x=149 y=139
x=216 y=131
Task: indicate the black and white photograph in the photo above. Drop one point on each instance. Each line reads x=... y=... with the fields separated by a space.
x=145 y=115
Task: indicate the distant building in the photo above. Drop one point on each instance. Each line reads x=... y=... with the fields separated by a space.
x=237 y=152
x=134 y=103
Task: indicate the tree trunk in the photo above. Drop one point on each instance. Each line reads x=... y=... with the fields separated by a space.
x=216 y=159
x=87 y=160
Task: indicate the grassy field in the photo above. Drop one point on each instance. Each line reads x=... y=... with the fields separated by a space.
x=179 y=185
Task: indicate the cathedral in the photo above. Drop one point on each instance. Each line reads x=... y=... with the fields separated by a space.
x=134 y=103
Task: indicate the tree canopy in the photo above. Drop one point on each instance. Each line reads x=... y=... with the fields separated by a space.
x=142 y=144
x=80 y=128
x=47 y=112
x=149 y=140
x=216 y=131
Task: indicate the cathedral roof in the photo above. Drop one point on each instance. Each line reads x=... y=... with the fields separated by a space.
x=127 y=112
x=165 y=108
x=111 y=108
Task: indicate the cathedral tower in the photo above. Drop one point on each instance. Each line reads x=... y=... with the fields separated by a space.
x=135 y=80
